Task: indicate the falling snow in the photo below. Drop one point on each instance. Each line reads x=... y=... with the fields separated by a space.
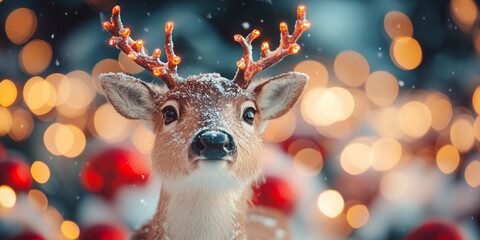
x=246 y=25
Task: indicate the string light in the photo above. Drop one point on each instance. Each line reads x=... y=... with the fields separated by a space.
x=157 y=72
x=132 y=56
x=265 y=46
x=241 y=64
x=156 y=53
x=139 y=44
x=176 y=60
x=283 y=27
x=255 y=33
x=112 y=41
x=293 y=49
x=107 y=25
x=169 y=27
x=126 y=32
x=301 y=10
x=237 y=38
x=116 y=9
x=306 y=25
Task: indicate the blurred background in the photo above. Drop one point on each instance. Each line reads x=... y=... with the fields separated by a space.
x=383 y=143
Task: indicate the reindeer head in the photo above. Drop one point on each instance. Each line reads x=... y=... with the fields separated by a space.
x=208 y=128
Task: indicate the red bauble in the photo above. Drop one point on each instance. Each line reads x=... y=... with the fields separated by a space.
x=103 y=232
x=276 y=193
x=15 y=173
x=28 y=236
x=436 y=229
x=104 y=173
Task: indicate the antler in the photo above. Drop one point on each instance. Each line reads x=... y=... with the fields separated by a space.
x=247 y=68
x=137 y=52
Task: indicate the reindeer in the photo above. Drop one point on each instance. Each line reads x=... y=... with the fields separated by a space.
x=208 y=147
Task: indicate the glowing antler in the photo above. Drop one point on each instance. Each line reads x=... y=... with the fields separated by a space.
x=137 y=52
x=247 y=68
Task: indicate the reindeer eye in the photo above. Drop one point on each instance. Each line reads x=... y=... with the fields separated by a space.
x=169 y=114
x=249 y=115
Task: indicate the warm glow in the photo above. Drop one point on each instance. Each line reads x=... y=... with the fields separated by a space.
x=132 y=56
x=35 y=56
x=316 y=71
x=76 y=92
x=464 y=13
x=337 y=130
x=8 y=197
x=157 y=52
x=109 y=125
x=39 y=95
x=254 y=34
x=139 y=44
x=461 y=134
x=394 y=185
x=471 y=174
x=157 y=72
x=112 y=41
x=5 y=121
x=476 y=98
x=37 y=200
x=128 y=65
x=176 y=60
x=305 y=25
x=356 y=158
x=265 y=46
x=283 y=26
x=237 y=38
x=299 y=144
x=116 y=9
x=406 y=53
x=476 y=128
x=351 y=68
x=70 y=229
x=441 y=110
x=301 y=10
x=126 y=32
x=79 y=142
x=22 y=124
x=330 y=203
x=67 y=140
x=448 y=159
x=241 y=64
x=105 y=66
x=385 y=122
x=169 y=27
x=287 y=125
x=386 y=154
x=397 y=24
x=294 y=48
x=381 y=88
x=8 y=92
x=20 y=25
x=362 y=104
x=40 y=172
x=308 y=162
x=143 y=139
x=337 y=103
x=414 y=118
x=357 y=216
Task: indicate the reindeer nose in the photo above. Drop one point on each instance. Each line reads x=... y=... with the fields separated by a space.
x=213 y=144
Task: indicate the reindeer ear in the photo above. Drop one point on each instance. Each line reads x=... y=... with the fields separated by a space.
x=277 y=95
x=131 y=97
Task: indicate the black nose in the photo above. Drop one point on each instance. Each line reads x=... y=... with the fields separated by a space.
x=213 y=144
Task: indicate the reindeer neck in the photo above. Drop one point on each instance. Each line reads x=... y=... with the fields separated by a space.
x=199 y=216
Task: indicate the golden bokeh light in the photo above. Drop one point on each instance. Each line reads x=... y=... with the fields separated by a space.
x=79 y=142
x=39 y=95
x=406 y=53
x=386 y=154
x=448 y=159
x=8 y=197
x=323 y=107
x=317 y=72
x=330 y=203
x=362 y=104
x=476 y=128
x=300 y=144
x=8 y=92
x=143 y=139
x=105 y=66
x=111 y=126
x=75 y=93
x=22 y=125
x=35 y=56
x=357 y=216
x=40 y=172
x=394 y=185
x=471 y=174
x=415 y=119
x=287 y=123
x=128 y=65
x=381 y=88
x=351 y=68
x=441 y=110
x=464 y=13
x=37 y=200
x=476 y=99
x=20 y=25
x=54 y=215
x=58 y=81
x=5 y=121
x=385 y=122
x=70 y=229
x=308 y=162
x=397 y=24
x=336 y=130
x=64 y=139
x=356 y=158
x=461 y=133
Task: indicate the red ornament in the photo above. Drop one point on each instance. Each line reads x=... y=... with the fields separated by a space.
x=436 y=229
x=275 y=193
x=104 y=173
x=28 y=236
x=15 y=172
x=103 y=232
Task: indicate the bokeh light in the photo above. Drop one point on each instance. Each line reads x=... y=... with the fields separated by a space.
x=67 y=140
x=20 y=25
x=448 y=159
x=394 y=185
x=308 y=162
x=8 y=197
x=441 y=110
x=35 y=56
x=105 y=66
x=287 y=123
x=461 y=133
x=386 y=153
x=351 y=68
x=128 y=65
x=381 y=88
x=70 y=229
x=5 y=121
x=111 y=126
x=39 y=95
x=317 y=72
x=22 y=124
x=406 y=53
x=464 y=13
x=471 y=174
x=415 y=119
x=357 y=216
x=356 y=158
x=37 y=200
x=476 y=128
x=8 y=92
x=143 y=139
x=40 y=172
x=323 y=107
x=330 y=203
x=385 y=122
x=397 y=24
x=476 y=99
x=75 y=94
